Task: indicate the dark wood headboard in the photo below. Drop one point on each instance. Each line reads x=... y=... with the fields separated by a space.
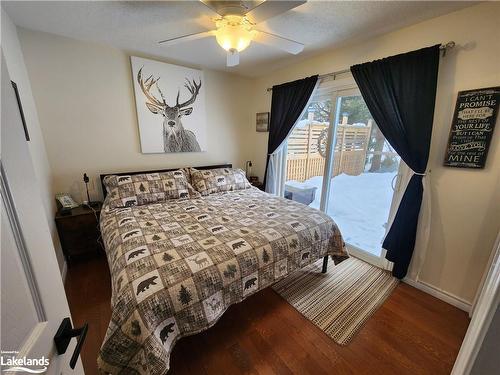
x=104 y=192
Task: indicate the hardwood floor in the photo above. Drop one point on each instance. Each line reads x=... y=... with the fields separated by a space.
x=412 y=333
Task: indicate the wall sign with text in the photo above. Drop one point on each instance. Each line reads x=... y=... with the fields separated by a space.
x=472 y=128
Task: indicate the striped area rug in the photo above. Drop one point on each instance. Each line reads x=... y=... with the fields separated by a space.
x=340 y=301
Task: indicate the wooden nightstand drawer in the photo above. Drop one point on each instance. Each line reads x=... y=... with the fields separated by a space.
x=79 y=232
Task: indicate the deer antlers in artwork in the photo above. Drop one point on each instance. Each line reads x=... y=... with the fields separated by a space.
x=192 y=87
x=146 y=87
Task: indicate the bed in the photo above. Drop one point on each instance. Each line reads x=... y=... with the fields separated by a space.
x=177 y=265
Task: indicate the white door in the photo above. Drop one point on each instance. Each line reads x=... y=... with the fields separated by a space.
x=33 y=302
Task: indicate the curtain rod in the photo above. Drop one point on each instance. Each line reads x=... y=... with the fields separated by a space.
x=442 y=47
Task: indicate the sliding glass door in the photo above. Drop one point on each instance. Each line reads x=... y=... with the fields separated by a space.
x=306 y=151
x=339 y=161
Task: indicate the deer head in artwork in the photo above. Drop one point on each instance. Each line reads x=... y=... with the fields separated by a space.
x=176 y=138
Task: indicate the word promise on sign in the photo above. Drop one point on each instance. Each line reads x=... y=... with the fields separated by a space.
x=472 y=128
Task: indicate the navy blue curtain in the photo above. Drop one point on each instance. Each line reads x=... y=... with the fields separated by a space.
x=400 y=92
x=287 y=103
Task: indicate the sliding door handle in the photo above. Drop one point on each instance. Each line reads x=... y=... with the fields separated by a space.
x=64 y=335
x=395 y=182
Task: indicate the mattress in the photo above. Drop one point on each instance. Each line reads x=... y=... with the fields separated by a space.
x=177 y=266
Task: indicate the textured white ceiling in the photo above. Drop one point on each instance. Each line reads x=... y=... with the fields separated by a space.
x=137 y=26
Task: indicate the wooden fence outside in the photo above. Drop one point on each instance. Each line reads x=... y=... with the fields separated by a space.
x=304 y=160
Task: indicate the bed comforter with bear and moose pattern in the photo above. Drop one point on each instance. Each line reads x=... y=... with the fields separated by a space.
x=177 y=266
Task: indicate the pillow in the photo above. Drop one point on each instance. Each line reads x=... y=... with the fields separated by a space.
x=216 y=180
x=187 y=173
x=141 y=189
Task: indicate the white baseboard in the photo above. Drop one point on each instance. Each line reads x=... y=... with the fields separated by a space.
x=441 y=294
x=64 y=271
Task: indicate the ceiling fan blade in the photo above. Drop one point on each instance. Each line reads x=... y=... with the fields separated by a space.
x=231 y=7
x=280 y=42
x=186 y=38
x=269 y=9
x=209 y=4
x=233 y=58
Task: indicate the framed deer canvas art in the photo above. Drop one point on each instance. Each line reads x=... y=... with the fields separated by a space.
x=170 y=101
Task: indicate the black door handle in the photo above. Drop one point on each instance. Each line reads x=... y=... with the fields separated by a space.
x=64 y=335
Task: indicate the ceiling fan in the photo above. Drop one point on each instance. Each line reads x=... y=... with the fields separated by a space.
x=235 y=23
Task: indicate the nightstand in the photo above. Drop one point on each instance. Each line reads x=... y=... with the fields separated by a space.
x=258 y=184
x=79 y=232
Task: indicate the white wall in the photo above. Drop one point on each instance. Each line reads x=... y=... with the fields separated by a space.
x=17 y=71
x=85 y=101
x=465 y=203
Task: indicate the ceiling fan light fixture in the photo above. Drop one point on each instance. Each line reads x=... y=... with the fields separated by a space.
x=234 y=33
